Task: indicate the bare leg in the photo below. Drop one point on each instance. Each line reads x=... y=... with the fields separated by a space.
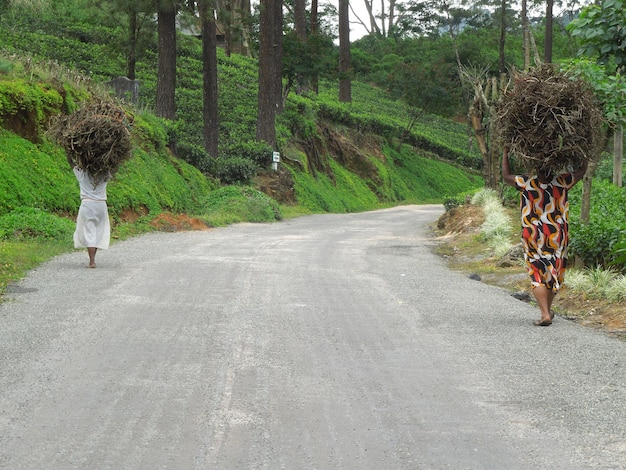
x=92 y=256
x=551 y=296
x=544 y=298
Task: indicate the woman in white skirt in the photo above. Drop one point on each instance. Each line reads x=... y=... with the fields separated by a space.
x=93 y=230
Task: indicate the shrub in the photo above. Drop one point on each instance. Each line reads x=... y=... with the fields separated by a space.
x=194 y=155
x=5 y=66
x=232 y=204
x=232 y=170
x=258 y=152
x=452 y=202
x=28 y=223
x=594 y=242
x=616 y=291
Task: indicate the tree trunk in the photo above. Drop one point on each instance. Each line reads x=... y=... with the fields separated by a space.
x=209 y=73
x=166 y=76
x=374 y=28
x=585 y=201
x=266 y=116
x=131 y=58
x=233 y=17
x=227 y=24
x=533 y=46
x=526 y=35
x=618 y=156
x=277 y=55
x=314 y=31
x=345 y=84
x=299 y=13
x=391 y=19
x=502 y=43
x=481 y=115
x=547 y=45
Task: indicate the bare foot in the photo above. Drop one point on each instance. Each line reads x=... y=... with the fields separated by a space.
x=92 y=265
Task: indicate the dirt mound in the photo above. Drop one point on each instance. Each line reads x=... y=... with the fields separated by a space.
x=466 y=218
x=168 y=222
x=278 y=185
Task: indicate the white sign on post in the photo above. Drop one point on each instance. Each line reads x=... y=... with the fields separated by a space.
x=275 y=160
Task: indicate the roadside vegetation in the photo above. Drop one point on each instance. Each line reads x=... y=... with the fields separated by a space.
x=482 y=238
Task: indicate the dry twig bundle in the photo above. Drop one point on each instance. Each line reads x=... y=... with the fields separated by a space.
x=96 y=138
x=550 y=120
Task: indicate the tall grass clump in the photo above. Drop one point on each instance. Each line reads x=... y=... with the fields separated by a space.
x=598 y=283
x=496 y=229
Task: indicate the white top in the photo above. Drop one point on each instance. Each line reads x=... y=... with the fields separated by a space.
x=88 y=190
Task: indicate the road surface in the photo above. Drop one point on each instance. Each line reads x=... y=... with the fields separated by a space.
x=323 y=342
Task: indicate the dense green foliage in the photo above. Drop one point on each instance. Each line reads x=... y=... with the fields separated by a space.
x=370 y=111
x=70 y=34
x=423 y=70
x=597 y=242
x=602 y=32
x=233 y=204
x=152 y=181
x=29 y=222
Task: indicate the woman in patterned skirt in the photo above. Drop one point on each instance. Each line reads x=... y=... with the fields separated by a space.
x=544 y=210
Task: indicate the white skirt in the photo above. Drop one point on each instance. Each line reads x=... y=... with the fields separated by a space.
x=92 y=225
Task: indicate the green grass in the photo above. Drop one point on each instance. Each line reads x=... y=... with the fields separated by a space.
x=598 y=283
x=18 y=257
x=234 y=204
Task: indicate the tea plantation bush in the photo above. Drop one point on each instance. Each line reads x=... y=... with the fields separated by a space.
x=28 y=222
x=596 y=242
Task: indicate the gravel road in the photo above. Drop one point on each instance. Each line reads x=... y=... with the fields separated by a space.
x=323 y=342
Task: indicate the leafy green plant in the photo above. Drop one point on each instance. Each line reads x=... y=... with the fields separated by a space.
x=233 y=204
x=598 y=283
x=5 y=66
x=233 y=170
x=258 y=152
x=618 y=253
x=598 y=27
x=594 y=242
x=28 y=222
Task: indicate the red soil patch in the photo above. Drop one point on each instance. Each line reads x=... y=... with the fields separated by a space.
x=168 y=222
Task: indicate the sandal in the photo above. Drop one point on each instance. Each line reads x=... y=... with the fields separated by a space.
x=542 y=322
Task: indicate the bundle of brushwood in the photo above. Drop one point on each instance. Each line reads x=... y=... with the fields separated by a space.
x=96 y=138
x=550 y=120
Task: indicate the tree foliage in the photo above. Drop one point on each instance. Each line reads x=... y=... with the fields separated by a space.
x=602 y=29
